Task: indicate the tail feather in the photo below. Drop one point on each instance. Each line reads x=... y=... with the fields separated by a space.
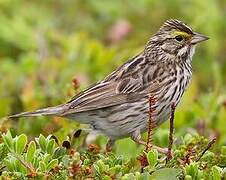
x=57 y=110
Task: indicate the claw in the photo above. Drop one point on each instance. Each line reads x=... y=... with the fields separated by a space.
x=137 y=138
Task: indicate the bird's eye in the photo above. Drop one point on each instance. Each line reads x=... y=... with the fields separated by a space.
x=179 y=38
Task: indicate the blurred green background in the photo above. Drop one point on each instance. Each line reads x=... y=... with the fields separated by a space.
x=52 y=49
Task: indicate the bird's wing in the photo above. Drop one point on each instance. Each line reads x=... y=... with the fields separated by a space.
x=108 y=94
x=118 y=88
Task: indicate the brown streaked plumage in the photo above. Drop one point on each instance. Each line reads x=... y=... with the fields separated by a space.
x=117 y=106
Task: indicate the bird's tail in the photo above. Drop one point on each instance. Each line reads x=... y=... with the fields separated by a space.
x=57 y=110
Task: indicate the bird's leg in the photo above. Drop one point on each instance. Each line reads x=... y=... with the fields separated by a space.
x=109 y=144
x=150 y=122
x=136 y=137
x=169 y=153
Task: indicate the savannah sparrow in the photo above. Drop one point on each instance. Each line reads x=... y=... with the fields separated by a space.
x=118 y=105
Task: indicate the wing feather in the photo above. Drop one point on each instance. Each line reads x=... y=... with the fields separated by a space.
x=107 y=96
x=114 y=91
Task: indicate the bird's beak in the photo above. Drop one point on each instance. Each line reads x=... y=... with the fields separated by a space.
x=197 y=38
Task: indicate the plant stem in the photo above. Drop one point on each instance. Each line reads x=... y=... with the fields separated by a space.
x=209 y=145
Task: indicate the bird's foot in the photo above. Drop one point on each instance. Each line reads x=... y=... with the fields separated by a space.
x=150 y=146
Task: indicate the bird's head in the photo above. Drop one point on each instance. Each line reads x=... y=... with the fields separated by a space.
x=176 y=38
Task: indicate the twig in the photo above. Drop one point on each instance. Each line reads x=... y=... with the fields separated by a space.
x=171 y=131
x=150 y=123
x=29 y=167
x=209 y=145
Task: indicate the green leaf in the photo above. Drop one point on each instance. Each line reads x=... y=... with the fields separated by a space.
x=42 y=142
x=9 y=165
x=51 y=164
x=50 y=146
x=19 y=167
x=35 y=162
x=59 y=152
x=144 y=176
x=14 y=144
x=152 y=157
x=77 y=156
x=13 y=164
x=128 y=176
x=166 y=173
x=8 y=140
x=101 y=165
x=42 y=166
x=30 y=151
x=106 y=177
x=187 y=177
x=188 y=138
x=216 y=173
x=66 y=160
x=46 y=158
x=96 y=168
x=3 y=151
x=192 y=169
x=21 y=143
x=223 y=150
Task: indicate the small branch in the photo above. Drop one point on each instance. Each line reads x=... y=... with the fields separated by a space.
x=209 y=145
x=150 y=123
x=171 y=131
x=29 y=167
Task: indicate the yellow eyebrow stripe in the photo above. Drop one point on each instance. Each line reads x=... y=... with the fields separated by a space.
x=184 y=34
x=176 y=33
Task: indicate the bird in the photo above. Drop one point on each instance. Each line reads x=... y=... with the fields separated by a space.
x=118 y=105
